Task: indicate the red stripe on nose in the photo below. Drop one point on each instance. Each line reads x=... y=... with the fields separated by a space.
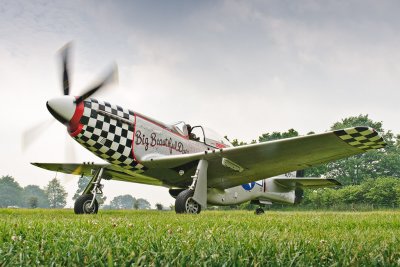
x=74 y=126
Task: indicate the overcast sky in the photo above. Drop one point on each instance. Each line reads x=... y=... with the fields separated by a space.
x=242 y=68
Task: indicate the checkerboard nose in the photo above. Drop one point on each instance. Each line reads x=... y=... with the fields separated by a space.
x=62 y=108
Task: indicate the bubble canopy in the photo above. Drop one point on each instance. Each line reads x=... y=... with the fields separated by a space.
x=201 y=134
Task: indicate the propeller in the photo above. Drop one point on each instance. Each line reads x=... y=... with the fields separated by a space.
x=30 y=135
x=64 y=51
x=111 y=77
x=57 y=106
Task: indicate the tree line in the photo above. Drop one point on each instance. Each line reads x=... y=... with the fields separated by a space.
x=31 y=196
x=382 y=192
x=54 y=195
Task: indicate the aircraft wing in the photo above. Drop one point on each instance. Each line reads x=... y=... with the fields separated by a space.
x=110 y=172
x=308 y=182
x=234 y=166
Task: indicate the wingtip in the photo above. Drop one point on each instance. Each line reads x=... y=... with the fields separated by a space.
x=361 y=137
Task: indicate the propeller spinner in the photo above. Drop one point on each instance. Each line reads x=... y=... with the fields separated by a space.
x=62 y=108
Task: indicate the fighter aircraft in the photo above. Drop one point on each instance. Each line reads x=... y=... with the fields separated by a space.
x=198 y=165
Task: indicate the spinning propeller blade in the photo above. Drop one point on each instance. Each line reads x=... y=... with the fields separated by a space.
x=30 y=135
x=70 y=157
x=65 y=51
x=111 y=77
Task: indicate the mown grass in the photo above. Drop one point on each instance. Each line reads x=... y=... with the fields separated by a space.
x=231 y=238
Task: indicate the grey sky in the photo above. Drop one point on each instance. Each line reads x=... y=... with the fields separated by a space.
x=242 y=68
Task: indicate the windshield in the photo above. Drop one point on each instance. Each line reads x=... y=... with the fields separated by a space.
x=214 y=137
x=179 y=127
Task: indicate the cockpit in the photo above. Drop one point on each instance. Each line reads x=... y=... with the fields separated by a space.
x=201 y=134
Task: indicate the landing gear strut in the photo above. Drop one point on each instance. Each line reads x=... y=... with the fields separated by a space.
x=193 y=199
x=87 y=203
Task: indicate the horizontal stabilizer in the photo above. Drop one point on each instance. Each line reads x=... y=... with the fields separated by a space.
x=307 y=182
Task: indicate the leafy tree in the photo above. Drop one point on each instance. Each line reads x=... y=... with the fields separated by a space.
x=352 y=194
x=10 y=192
x=122 y=202
x=159 y=206
x=277 y=135
x=321 y=198
x=372 y=164
x=56 y=194
x=33 y=202
x=360 y=120
x=382 y=191
x=389 y=161
x=106 y=207
x=135 y=205
x=236 y=142
x=129 y=202
x=142 y=204
x=82 y=183
x=34 y=191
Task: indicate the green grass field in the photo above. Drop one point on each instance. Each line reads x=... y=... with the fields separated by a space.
x=231 y=238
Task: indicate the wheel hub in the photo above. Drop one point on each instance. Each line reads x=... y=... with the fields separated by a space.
x=87 y=208
x=191 y=206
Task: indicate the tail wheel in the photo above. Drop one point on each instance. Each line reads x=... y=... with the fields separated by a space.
x=259 y=211
x=82 y=205
x=185 y=203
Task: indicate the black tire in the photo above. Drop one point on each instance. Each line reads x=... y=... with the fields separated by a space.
x=259 y=211
x=82 y=205
x=184 y=203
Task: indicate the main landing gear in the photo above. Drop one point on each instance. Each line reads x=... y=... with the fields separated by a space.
x=193 y=199
x=87 y=203
x=84 y=205
x=186 y=204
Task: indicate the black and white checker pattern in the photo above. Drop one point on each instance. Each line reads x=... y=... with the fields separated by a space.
x=105 y=135
x=364 y=138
